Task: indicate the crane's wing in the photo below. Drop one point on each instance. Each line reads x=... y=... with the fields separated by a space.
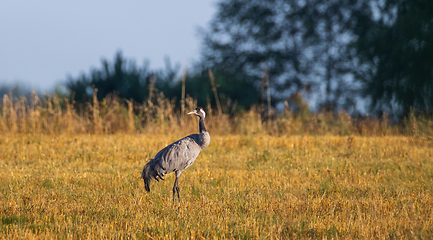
x=177 y=156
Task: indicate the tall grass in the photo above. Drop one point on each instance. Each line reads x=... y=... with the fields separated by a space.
x=51 y=115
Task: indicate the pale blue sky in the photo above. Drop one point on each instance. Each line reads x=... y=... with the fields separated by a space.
x=43 y=41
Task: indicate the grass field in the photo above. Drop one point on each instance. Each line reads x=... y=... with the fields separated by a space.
x=241 y=187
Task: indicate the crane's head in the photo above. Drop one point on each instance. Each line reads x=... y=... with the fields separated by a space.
x=199 y=112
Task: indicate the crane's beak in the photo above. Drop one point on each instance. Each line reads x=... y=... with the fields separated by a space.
x=193 y=112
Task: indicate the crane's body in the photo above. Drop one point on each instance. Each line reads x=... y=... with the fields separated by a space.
x=177 y=156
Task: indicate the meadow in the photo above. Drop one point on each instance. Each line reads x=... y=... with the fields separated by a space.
x=257 y=186
x=70 y=171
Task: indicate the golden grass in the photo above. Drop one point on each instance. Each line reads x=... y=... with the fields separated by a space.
x=251 y=186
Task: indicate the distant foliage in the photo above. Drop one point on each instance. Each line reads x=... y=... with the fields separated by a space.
x=341 y=54
x=303 y=46
x=16 y=89
x=124 y=79
x=395 y=45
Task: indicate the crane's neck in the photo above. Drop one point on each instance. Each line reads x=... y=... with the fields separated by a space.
x=204 y=138
x=202 y=128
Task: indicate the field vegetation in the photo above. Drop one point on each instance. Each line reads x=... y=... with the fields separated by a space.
x=72 y=175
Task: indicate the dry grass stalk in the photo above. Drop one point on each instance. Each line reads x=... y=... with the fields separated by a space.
x=214 y=90
x=23 y=114
x=10 y=115
x=68 y=118
x=97 y=125
x=131 y=125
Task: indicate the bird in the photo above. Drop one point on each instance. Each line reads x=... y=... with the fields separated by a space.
x=177 y=156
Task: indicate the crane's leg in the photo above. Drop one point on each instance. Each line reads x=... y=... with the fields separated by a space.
x=176 y=187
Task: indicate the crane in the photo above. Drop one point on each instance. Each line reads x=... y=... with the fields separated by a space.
x=177 y=156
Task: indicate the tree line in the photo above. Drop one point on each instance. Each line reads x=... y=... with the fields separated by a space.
x=339 y=55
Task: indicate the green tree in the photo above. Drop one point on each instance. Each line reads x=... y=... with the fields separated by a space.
x=303 y=45
x=395 y=47
x=235 y=94
x=122 y=78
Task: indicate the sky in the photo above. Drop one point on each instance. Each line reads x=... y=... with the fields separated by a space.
x=44 y=41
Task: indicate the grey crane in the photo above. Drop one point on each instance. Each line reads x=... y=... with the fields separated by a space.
x=177 y=156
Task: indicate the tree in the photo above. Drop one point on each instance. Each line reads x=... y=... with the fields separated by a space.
x=235 y=94
x=122 y=78
x=395 y=46
x=14 y=90
x=303 y=45
x=334 y=64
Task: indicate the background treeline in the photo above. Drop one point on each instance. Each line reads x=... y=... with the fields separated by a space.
x=332 y=58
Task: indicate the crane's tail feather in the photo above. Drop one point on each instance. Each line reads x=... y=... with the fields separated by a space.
x=146 y=186
x=152 y=171
x=147 y=176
